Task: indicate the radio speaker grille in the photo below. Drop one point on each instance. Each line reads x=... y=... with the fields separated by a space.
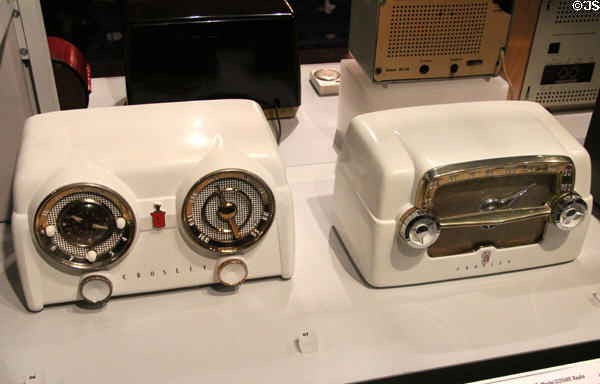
x=566 y=14
x=580 y=96
x=438 y=29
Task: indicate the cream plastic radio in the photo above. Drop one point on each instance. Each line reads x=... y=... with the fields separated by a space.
x=457 y=190
x=124 y=200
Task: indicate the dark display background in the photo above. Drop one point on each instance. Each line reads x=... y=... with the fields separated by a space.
x=592 y=144
x=95 y=28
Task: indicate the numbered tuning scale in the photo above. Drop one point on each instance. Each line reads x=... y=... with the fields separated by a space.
x=84 y=227
x=228 y=211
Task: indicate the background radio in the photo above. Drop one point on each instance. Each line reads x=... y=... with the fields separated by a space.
x=561 y=71
x=422 y=39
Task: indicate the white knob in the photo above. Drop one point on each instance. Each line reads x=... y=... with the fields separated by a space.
x=91 y=256
x=121 y=222
x=95 y=289
x=50 y=230
x=232 y=272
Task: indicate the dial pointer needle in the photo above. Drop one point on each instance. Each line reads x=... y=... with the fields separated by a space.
x=222 y=197
x=229 y=216
x=76 y=218
x=234 y=228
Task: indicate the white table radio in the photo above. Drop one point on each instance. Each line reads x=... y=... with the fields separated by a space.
x=441 y=192
x=123 y=200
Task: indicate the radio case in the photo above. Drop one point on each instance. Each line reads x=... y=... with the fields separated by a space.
x=441 y=192
x=146 y=198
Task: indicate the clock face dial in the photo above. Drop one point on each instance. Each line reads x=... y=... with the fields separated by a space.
x=84 y=226
x=86 y=223
x=228 y=211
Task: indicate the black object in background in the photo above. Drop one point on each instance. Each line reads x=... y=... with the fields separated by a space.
x=500 y=366
x=93 y=26
x=194 y=50
x=592 y=144
x=322 y=24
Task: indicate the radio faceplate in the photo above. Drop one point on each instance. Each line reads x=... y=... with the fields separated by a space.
x=529 y=182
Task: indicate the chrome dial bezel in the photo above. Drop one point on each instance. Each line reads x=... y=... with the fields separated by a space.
x=237 y=245
x=62 y=258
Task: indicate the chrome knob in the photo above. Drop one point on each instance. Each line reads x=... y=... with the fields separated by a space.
x=419 y=229
x=568 y=211
x=95 y=289
x=232 y=272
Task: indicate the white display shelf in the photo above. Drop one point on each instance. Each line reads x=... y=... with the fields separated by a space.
x=207 y=334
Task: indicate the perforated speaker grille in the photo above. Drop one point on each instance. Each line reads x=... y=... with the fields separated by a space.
x=581 y=96
x=567 y=14
x=438 y=29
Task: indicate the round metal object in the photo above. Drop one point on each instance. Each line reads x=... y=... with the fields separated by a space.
x=76 y=226
x=228 y=211
x=232 y=272
x=568 y=211
x=71 y=73
x=419 y=229
x=95 y=289
x=327 y=74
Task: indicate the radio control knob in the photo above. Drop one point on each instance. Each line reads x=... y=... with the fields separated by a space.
x=50 y=230
x=420 y=229
x=120 y=222
x=568 y=211
x=232 y=271
x=91 y=256
x=95 y=289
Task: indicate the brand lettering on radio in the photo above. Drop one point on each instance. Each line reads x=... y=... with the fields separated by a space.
x=160 y=272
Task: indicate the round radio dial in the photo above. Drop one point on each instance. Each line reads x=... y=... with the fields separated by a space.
x=84 y=226
x=228 y=211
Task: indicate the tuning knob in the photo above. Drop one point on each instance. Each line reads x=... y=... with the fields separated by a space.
x=95 y=289
x=419 y=229
x=232 y=271
x=568 y=211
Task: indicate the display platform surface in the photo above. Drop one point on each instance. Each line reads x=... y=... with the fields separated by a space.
x=211 y=334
